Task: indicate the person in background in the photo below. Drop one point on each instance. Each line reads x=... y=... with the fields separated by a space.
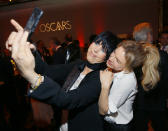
x=163 y=41
x=72 y=52
x=68 y=40
x=59 y=53
x=150 y=106
x=44 y=53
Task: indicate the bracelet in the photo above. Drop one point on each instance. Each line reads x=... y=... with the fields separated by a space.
x=38 y=81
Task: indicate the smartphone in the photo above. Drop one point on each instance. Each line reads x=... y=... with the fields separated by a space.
x=33 y=21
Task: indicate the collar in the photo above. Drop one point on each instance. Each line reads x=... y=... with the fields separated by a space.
x=120 y=74
x=96 y=66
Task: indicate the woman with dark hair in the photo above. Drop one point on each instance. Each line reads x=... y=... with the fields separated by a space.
x=80 y=79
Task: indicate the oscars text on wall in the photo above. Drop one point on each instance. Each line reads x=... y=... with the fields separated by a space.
x=55 y=26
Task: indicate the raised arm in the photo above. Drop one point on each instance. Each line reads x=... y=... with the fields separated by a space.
x=21 y=53
x=106 y=78
x=55 y=72
x=48 y=90
x=88 y=92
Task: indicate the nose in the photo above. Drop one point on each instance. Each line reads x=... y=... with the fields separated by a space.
x=111 y=58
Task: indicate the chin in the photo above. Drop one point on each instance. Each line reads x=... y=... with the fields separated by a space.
x=89 y=59
x=92 y=60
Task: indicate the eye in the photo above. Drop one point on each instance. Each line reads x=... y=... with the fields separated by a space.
x=96 y=43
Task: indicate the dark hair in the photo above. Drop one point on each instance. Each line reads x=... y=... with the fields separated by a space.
x=68 y=37
x=163 y=32
x=108 y=40
x=91 y=38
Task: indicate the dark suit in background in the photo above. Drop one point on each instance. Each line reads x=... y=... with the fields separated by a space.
x=151 y=105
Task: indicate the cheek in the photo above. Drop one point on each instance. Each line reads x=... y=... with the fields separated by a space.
x=102 y=58
x=103 y=55
x=116 y=66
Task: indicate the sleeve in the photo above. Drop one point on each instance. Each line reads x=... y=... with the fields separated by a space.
x=51 y=93
x=120 y=92
x=56 y=72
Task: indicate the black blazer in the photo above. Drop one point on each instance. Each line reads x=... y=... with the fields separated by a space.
x=82 y=103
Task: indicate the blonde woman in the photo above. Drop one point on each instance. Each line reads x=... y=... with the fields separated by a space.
x=119 y=85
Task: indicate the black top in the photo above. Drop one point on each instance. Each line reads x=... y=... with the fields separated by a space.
x=154 y=99
x=82 y=102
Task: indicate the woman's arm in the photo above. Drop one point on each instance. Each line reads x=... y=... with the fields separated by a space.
x=21 y=52
x=106 y=78
x=111 y=99
x=55 y=72
x=50 y=92
x=103 y=101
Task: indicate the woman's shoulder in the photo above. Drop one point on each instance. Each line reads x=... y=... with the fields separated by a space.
x=129 y=77
x=125 y=75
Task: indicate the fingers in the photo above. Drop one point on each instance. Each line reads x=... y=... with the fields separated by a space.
x=32 y=47
x=107 y=72
x=19 y=43
x=16 y=25
x=23 y=40
x=17 y=40
x=9 y=41
x=13 y=35
x=27 y=48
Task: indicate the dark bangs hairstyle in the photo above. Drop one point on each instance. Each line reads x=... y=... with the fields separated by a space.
x=109 y=42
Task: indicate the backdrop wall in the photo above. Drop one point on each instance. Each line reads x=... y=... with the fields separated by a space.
x=81 y=18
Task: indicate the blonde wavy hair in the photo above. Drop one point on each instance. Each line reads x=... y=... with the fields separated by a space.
x=145 y=55
x=150 y=67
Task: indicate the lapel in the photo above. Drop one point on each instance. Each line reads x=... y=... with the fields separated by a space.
x=72 y=77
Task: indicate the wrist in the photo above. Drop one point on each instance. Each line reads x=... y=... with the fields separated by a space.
x=31 y=77
x=38 y=80
x=105 y=88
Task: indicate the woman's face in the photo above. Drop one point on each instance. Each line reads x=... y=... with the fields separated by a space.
x=96 y=53
x=117 y=60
